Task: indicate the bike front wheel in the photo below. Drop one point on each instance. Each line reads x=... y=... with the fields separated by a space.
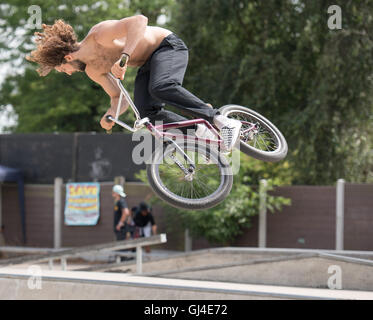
x=196 y=178
x=259 y=137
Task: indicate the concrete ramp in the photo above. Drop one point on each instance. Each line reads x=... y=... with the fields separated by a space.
x=278 y=267
x=301 y=271
x=19 y=284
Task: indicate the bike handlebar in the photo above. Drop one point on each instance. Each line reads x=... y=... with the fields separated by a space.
x=109 y=119
x=124 y=94
x=123 y=60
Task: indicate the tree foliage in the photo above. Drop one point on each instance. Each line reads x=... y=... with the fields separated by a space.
x=277 y=57
x=281 y=59
x=223 y=223
x=58 y=102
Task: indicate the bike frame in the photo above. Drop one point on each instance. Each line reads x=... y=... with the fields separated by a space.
x=158 y=130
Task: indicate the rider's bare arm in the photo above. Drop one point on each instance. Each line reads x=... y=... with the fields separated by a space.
x=128 y=30
x=113 y=91
x=154 y=229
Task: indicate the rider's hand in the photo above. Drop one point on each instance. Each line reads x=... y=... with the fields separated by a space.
x=105 y=122
x=118 y=71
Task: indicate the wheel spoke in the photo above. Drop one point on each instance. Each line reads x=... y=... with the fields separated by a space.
x=205 y=180
x=263 y=139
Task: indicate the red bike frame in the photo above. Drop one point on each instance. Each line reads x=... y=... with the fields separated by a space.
x=159 y=130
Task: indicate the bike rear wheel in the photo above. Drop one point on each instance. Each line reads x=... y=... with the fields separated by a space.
x=175 y=181
x=259 y=138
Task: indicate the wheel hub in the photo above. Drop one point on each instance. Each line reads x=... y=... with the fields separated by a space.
x=249 y=136
x=189 y=177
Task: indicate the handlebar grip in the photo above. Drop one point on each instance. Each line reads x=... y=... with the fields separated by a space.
x=108 y=119
x=123 y=60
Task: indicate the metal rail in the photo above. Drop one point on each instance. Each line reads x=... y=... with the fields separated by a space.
x=63 y=255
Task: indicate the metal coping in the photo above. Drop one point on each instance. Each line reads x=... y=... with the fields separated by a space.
x=202 y=286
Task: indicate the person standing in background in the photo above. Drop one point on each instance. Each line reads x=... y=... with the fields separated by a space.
x=144 y=222
x=121 y=213
x=132 y=225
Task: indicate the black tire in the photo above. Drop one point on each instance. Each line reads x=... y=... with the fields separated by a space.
x=161 y=190
x=281 y=146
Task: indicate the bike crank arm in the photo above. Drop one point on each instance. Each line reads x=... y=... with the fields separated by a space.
x=170 y=141
x=180 y=165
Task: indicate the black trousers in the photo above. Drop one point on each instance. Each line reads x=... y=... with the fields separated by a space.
x=159 y=82
x=121 y=235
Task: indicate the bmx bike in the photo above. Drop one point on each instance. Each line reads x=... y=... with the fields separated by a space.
x=193 y=173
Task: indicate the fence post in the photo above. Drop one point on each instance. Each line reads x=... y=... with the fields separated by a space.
x=119 y=180
x=139 y=260
x=339 y=228
x=262 y=239
x=187 y=241
x=57 y=212
x=64 y=264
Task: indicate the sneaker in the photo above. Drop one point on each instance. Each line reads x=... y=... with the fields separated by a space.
x=203 y=132
x=229 y=130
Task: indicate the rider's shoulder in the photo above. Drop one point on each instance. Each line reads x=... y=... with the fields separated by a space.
x=98 y=30
x=97 y=27
x=95 y=30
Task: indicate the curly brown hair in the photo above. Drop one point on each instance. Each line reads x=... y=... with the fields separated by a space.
x=53 y=45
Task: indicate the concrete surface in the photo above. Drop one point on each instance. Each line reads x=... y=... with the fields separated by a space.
x=298 y=268
x=221 y=273
x=16 y=283
x=306 y=272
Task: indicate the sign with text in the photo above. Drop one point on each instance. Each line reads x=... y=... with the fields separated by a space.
x=82 y=206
